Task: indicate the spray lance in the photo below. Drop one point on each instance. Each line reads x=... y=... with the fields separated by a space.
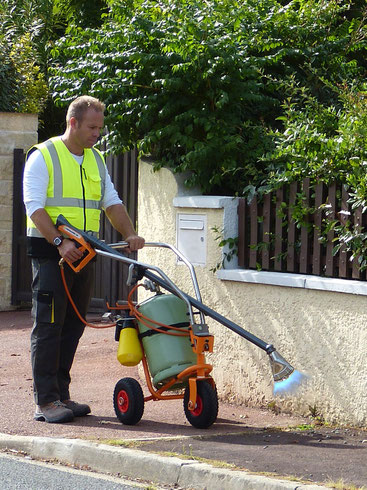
x=287 y=380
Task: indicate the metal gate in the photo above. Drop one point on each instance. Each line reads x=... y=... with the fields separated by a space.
x=110 y=283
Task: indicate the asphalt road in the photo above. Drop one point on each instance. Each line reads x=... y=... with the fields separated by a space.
x=18 y=473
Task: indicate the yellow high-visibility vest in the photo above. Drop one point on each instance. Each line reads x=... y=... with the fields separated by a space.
x=74 y=190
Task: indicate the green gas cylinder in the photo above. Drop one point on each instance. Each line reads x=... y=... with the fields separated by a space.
x=167 y=355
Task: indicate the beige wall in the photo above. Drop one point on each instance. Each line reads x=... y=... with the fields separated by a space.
x=16 y=131
x=319 y=332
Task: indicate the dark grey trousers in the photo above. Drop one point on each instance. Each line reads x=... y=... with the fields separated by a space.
x=56 y=329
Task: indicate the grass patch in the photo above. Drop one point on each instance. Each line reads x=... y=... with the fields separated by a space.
x=211 y=462
x=121 y=443
x=304 y=427
x=341 y=485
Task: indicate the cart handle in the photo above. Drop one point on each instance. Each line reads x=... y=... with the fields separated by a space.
x=119 y=245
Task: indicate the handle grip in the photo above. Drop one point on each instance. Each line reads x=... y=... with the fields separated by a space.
x=71 y=233
x=92 y=240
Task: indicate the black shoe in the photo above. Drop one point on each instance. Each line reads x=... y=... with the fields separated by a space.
x=78 y=409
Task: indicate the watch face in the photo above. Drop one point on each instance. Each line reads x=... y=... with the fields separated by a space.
x=57 y=241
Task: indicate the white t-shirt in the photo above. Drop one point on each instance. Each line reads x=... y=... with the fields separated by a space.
x=36 y=178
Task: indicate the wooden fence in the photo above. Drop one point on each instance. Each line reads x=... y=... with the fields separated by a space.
x=270 y=240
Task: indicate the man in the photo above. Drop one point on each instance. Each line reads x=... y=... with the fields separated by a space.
x=65 y=175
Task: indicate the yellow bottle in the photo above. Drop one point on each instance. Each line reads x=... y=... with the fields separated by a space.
x=129 y=352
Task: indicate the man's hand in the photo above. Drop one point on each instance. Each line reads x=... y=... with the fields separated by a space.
x=135 y=243
x=69 y=251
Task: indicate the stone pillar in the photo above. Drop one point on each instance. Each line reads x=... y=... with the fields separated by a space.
x=16 y=131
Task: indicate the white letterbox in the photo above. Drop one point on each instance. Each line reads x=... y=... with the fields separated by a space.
x=191 y=232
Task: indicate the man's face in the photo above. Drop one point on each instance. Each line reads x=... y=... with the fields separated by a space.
x=87 y=131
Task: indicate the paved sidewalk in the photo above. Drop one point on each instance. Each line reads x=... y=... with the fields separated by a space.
x=246 y=448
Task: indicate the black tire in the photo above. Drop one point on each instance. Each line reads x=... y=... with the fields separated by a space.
x=128 y=401
x=206 y=410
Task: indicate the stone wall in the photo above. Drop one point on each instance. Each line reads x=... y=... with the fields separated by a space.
x=16 y=131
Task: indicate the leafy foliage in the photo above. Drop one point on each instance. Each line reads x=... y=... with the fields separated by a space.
x=82 y=13
x=200 y=85
x=27 y=29
x=8 y=80
x=325 y=143
x=176 y=82
x=31 y=82
x=23 y=85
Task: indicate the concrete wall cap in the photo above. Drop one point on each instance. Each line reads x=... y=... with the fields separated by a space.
x=294 y=280
x=209 y=202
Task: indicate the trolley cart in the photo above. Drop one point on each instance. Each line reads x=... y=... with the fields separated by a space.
x=167 y=333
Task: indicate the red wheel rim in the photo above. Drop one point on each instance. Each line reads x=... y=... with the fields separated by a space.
x=123 y=401
x=198 y=407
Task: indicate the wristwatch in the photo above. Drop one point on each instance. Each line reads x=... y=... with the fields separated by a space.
x=58 y=241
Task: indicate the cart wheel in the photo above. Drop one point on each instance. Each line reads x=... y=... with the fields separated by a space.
x=128 y=401
x=206 y=409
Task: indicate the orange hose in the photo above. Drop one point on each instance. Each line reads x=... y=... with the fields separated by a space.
x=139 y=316
x=92 y=325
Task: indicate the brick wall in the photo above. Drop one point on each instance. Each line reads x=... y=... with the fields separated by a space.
x=16 y=131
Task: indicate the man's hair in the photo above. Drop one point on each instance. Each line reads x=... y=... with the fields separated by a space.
x=80 y=105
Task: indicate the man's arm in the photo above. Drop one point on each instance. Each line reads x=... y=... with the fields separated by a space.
x=120 y=220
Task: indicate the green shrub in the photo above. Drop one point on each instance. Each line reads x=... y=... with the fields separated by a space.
x=31 y=82
x=179 y=84
x=324 y=143
x=22 y=83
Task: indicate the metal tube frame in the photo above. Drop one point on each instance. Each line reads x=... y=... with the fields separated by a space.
x=166 y=279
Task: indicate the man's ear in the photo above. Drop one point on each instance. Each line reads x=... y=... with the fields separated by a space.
x=73 y=122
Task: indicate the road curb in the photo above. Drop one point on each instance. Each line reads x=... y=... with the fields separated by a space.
x=146 y=466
